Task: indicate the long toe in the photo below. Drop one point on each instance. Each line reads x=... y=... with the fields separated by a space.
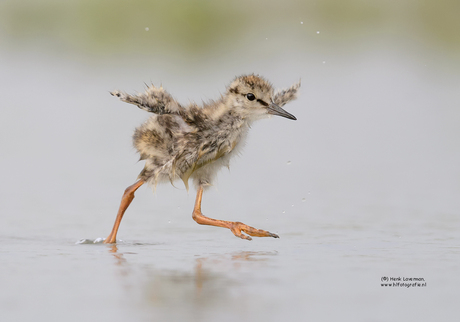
x=244 y=237
x=238 y=227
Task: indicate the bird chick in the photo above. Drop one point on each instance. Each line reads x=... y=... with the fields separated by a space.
x=192 y=142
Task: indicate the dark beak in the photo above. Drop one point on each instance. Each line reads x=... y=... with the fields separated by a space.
x=276 y=110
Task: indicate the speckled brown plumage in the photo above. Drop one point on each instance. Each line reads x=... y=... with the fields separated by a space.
x=192 y=142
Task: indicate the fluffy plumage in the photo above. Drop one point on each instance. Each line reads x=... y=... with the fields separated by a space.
x=195 y=142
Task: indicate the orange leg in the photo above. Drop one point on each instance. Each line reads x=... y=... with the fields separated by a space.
x=128 y=196
x=235 y=227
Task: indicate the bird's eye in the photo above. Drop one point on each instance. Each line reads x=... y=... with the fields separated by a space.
x=250 y=96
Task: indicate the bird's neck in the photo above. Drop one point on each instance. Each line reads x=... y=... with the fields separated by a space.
x=227 y=122
x=229 y=115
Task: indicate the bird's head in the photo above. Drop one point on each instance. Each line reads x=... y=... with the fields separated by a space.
x=255 y=97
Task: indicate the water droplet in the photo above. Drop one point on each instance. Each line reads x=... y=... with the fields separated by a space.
x=169 y=221
x=147 y=29
x=266 y=38
x=317 y=32
x=309 y=192
x=289 y=163
x=292 y=206
x=324 y=61
x=303 y=199
x=301 y=22
x=284 y=212
x=84 y=241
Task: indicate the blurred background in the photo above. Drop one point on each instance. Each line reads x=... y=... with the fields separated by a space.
x=371 y=163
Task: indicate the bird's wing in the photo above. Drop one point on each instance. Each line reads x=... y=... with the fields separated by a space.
x=154 y=100
x=284 y=96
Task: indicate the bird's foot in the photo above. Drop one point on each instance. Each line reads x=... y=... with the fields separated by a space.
x=110 y=239
x=238 y=227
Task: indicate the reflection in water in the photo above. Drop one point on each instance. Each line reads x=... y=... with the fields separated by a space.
x=214 y=283
x=119 y=256
x=123 y=269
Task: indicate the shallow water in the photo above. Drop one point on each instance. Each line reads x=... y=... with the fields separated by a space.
x=205 y=274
